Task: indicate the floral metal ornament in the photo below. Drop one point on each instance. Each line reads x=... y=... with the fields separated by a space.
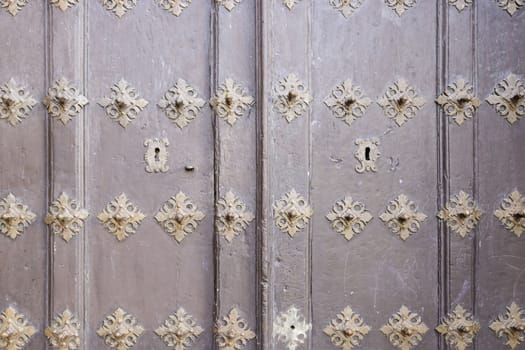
x=64 y=332
x=400 y=6
x=461 y=214
x=347 y=102
x=232 y=332
x=66 y=217
x=181 y=103
x=15 y=330
x=120 y=330
x=508 y=98
x=231 y=101
x=15 y=216
x=511 y=6
x=179 y=331
x=459 y=102
x=512 y=213
x=64 y=101
x=367 y=154
x=121 y=217
x=63 y=5
x=290 y=4
x=346 y=7
x=459 y=328
x=119 y=7
x=511 y=326
x=175 y=7
x=291 y=97
x=401 y=102
x=291 y=213
x=347 y=330
x=124 y=103
x=404 y=329
x=403 y=217
x=156 y=156
x=229 y=4
x=460 y=4
x=232 y=216
x=179 y=217
x=15 y=102
x=348 y=217
x=13 y=6
x=291 y=328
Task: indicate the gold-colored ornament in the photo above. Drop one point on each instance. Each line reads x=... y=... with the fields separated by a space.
x=156 y=155
x=181 y=103
x=367 y=154
x=13 y=6
x=119 y=7
x=120 y=330
x=64 y=101
x=512 y=213
x=348 y=217
x=290 y=4
x=64 y=332
x=121 y=217
x=347 y=101
x=291 y=328
x=175 y=7
x=232 y=216
x=459 y=102
x=404 y=329
x=400 y=6
x=15 y=216
x=511 y=326
x=346 y=7
x=461 y=214
x=291 y=213
x=15 y=330
x=232 y=332
x=459 y=328
x=229 y=4
x=401 y=101
x=511 y=6
x=402 y=217
x=291 y=97
x=347 y=330
x=508 y=98
x=123 y=104
x=66 y=217
x=231 y=101
x=460 y=4
x=179 y=217
x=63 y=5
x=179 y=331
x=15 y=102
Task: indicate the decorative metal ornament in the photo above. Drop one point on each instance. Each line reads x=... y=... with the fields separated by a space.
x=403 y=217
x=290 y=328
x=64 y=101
x=181 y=103
x=15 y=330
x=179 y=331
x=15 y=102
x=459 y=102
x=175 y=7
x=367 y=154
x=512 y=213
x=231 y=101
x=400 y=6
x=63 y=5
x=119 y=7
x=120 y=330
x=404 y=329
x=232 y=332
x=347 y=102
x=511 y=6
x=401 y=101
x=346 y=7
x=179 y=217
x=290 y=4
x=123 y=104
x=347 y=330
x=508 y=98
x=348 y=217
x=64 y=332
x=66 y=217
x=156 y=156
x=229 y=4
x=13 y=6
x=459 y=328
x=461 y=214
x=511 y=325
x=121 y=217
x=460 y=4
x=15 y=216
x=291 y=97
x=291 y=213
x=232 y=216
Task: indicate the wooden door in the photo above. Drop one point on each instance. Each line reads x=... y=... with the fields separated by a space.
x=262 y=175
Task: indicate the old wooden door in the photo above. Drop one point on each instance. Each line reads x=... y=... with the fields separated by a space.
x=278 y=174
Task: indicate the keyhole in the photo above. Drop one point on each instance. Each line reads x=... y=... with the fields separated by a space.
x=367 y=153
x=157 y=153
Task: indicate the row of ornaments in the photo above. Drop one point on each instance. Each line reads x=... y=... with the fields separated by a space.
x=404 y=329
x=291 y=98
x=179 y=216
x=176 y=7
